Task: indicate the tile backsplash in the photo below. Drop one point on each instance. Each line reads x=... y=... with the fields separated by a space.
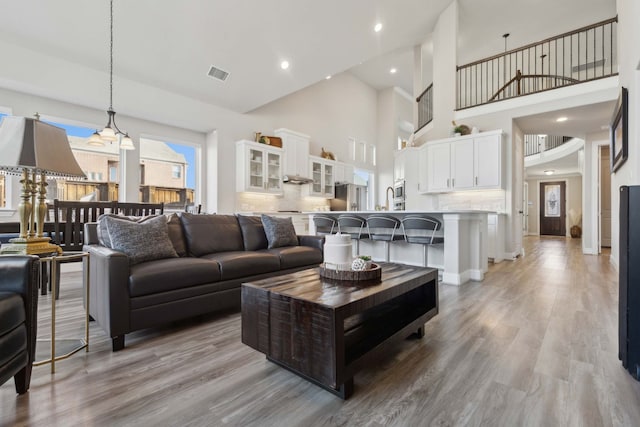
x=292 y=200
x=492 y=200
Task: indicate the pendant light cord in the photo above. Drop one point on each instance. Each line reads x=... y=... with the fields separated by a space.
x=111 y=60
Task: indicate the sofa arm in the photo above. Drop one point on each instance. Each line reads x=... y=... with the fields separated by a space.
x=20 y=274
x=312 y=241
x=109 y=290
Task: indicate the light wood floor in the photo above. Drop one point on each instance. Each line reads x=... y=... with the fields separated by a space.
x=534 y=344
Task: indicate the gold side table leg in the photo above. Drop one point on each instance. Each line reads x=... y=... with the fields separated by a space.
x=54 y=285
x=85 y=265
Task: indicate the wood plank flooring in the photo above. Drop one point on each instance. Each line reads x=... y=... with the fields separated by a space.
x=534 y=344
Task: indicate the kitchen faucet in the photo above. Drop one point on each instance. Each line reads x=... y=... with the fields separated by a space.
x=387 y=203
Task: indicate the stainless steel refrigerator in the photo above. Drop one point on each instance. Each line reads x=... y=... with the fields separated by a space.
x=349 y=197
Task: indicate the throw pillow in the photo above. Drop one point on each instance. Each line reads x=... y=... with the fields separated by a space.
x=141 y=241
x=279 y=231
x=103 y=234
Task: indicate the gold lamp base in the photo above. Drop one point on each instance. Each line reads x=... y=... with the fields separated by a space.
x=30 y=246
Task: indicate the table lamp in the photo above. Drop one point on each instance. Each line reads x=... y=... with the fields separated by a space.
x=34 y=150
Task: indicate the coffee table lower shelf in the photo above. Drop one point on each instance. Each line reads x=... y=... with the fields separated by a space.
x=327 y=338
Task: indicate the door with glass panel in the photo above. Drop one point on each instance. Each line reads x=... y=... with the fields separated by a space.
x=552 y=208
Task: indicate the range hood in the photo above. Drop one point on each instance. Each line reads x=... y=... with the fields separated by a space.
x=296 y=180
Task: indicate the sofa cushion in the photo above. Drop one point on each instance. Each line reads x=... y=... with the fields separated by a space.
x=252 y=233
x=169 y=274
x=280 y=231
x=207 y=234
x=176 y=235
x=244 y=263
x=297 y=256
x=143 y=241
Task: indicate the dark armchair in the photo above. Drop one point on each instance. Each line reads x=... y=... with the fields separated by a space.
x=19 y=276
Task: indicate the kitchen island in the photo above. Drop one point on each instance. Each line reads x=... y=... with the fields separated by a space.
x=462 y=257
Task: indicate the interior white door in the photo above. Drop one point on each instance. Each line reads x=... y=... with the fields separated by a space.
x=605 y=198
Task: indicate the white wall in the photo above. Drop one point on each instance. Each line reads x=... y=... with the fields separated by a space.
x=629 y=74
x=387 y=137
x=445 y=42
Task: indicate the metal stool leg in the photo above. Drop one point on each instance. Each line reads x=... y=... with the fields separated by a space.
x=425 y=253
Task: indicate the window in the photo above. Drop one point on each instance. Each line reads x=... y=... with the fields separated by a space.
x=113 y=171
x=169 y=173
x=95 y=161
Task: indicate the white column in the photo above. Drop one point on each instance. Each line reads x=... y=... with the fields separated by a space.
x=465 y=248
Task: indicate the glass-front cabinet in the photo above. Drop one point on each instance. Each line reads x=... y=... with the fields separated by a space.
x=259 y=168
x=323 y=175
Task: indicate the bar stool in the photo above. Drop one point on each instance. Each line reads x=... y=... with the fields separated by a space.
x=346 y=221
x=324 y=224
x=424 y=223
x=385 y=228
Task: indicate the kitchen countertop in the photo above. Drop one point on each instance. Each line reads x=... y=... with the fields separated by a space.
x=460 y=211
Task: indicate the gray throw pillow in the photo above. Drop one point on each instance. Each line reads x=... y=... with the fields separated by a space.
x=141 y=241
x=103 y=234
x=280 y=231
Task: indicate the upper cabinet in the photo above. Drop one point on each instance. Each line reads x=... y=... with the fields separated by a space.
x=258 y=168
x=296 y=149
x=323 y=175
x=465 y=163
x=343 y=173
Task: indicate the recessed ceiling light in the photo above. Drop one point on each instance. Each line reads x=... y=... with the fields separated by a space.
x=561 y=119
x=284 y=65
x=328 y=77
x=393 y=71
x=549 y=172
x=378 y=27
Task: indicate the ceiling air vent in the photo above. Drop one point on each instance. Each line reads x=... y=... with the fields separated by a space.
x=217 y=73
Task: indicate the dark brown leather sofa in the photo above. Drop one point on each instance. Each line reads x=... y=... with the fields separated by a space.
x=216 y=254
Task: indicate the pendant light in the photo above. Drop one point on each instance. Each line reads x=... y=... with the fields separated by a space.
x=111 y=132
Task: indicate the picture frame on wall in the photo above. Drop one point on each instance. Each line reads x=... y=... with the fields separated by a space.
x=618 y=131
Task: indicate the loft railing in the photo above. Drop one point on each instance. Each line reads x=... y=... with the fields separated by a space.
x=582 y=55
x=535 y=144
x=425 y=107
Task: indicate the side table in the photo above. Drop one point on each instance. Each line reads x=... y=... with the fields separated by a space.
x=55 y=260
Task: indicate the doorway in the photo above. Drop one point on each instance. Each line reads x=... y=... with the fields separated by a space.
x=552 y=208
x=605 y=197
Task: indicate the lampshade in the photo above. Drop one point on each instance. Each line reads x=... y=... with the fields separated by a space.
x=95 y=140
x=37 y=146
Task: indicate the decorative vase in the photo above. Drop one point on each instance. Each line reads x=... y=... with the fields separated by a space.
x=575 y=231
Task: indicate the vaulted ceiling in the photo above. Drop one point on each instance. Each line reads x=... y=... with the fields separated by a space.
x=172 y=44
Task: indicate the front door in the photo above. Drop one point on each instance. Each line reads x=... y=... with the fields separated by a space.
x=552 y=209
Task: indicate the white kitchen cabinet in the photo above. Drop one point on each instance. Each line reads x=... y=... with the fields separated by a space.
x=296 y=152
x=423 y=170
x=322 y=173
x=496 y=224
x=488 y=161
x=462 y=165
x=343 y=173
x=258 y=168
x=465 y=163
x=407 y=161
x=439 y=165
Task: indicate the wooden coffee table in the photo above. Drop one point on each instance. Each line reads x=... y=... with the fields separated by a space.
x=326 y=330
